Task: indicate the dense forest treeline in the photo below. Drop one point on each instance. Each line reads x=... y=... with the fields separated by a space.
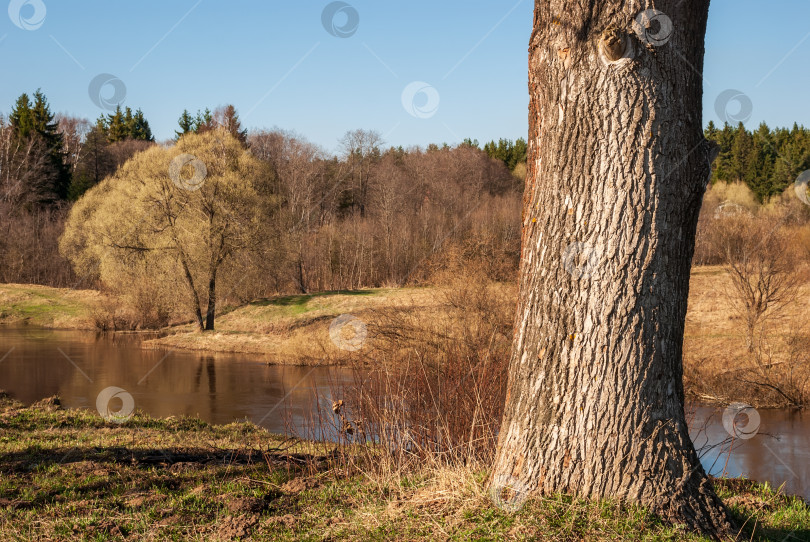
x=369 y=215
x=47 y=158
x=765 y=160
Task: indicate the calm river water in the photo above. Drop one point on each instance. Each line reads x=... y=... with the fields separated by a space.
x=216 y=388
x=223 y=388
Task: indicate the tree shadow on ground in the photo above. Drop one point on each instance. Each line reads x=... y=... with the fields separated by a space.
x=303 y=299
x=88 y=473
x=32 y=458
x=748 y=493
x=760 y=533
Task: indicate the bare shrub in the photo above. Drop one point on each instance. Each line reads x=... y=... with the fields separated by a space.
x=766 y=267
x=29 y=246
x=761 y=261
x=434 y=393
x=109 y=314
x=783 y=376
x=721 y=201
x=152 y=312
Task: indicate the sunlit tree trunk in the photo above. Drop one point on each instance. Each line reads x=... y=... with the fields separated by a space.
x=617 y=169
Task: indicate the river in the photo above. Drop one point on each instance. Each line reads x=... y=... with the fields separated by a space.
x=222 y=388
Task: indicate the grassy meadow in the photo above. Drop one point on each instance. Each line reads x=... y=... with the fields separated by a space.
x=70 y=475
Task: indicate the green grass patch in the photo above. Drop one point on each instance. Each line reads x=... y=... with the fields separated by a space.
x=72 y=475
x=43 y=306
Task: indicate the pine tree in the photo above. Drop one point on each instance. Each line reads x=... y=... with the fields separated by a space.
x=186 y=122
x=204 y=121
x=34 y=126
x=116 y=126
x=228 y=118
x=140 y=128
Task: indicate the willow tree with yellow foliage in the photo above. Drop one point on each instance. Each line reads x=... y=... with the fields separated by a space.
x=175 y=217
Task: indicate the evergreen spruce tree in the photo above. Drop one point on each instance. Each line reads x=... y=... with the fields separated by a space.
x=740 y=154
x=116 y=126
x=767 y=161
x=507 y=151
x=759 y=169
x=129 y=123
x=204 y=121
x=230 y=121
x=520 y=151
x=34 y=127
x=186 y=122
x=140 y=127
x=21 y=118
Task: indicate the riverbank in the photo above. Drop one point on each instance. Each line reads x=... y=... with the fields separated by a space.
x=295 y=330
x=44 y=307
x=285 y=330
x=72 y=475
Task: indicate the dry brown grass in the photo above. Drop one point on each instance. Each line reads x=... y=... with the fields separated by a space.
x=294 y=330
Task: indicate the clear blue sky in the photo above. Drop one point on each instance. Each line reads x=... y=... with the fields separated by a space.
x=278 y=64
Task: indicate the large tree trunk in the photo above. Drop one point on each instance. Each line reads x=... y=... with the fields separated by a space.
x=617 y=169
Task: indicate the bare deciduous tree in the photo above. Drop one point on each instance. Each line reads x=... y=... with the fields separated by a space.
x=74 y=130
x=25 y=177
x=361 y=149
x=762 y=267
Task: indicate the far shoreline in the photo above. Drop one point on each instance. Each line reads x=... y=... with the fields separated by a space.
x=294 y=330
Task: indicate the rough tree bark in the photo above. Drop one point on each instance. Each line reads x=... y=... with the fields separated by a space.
x=617 y=169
